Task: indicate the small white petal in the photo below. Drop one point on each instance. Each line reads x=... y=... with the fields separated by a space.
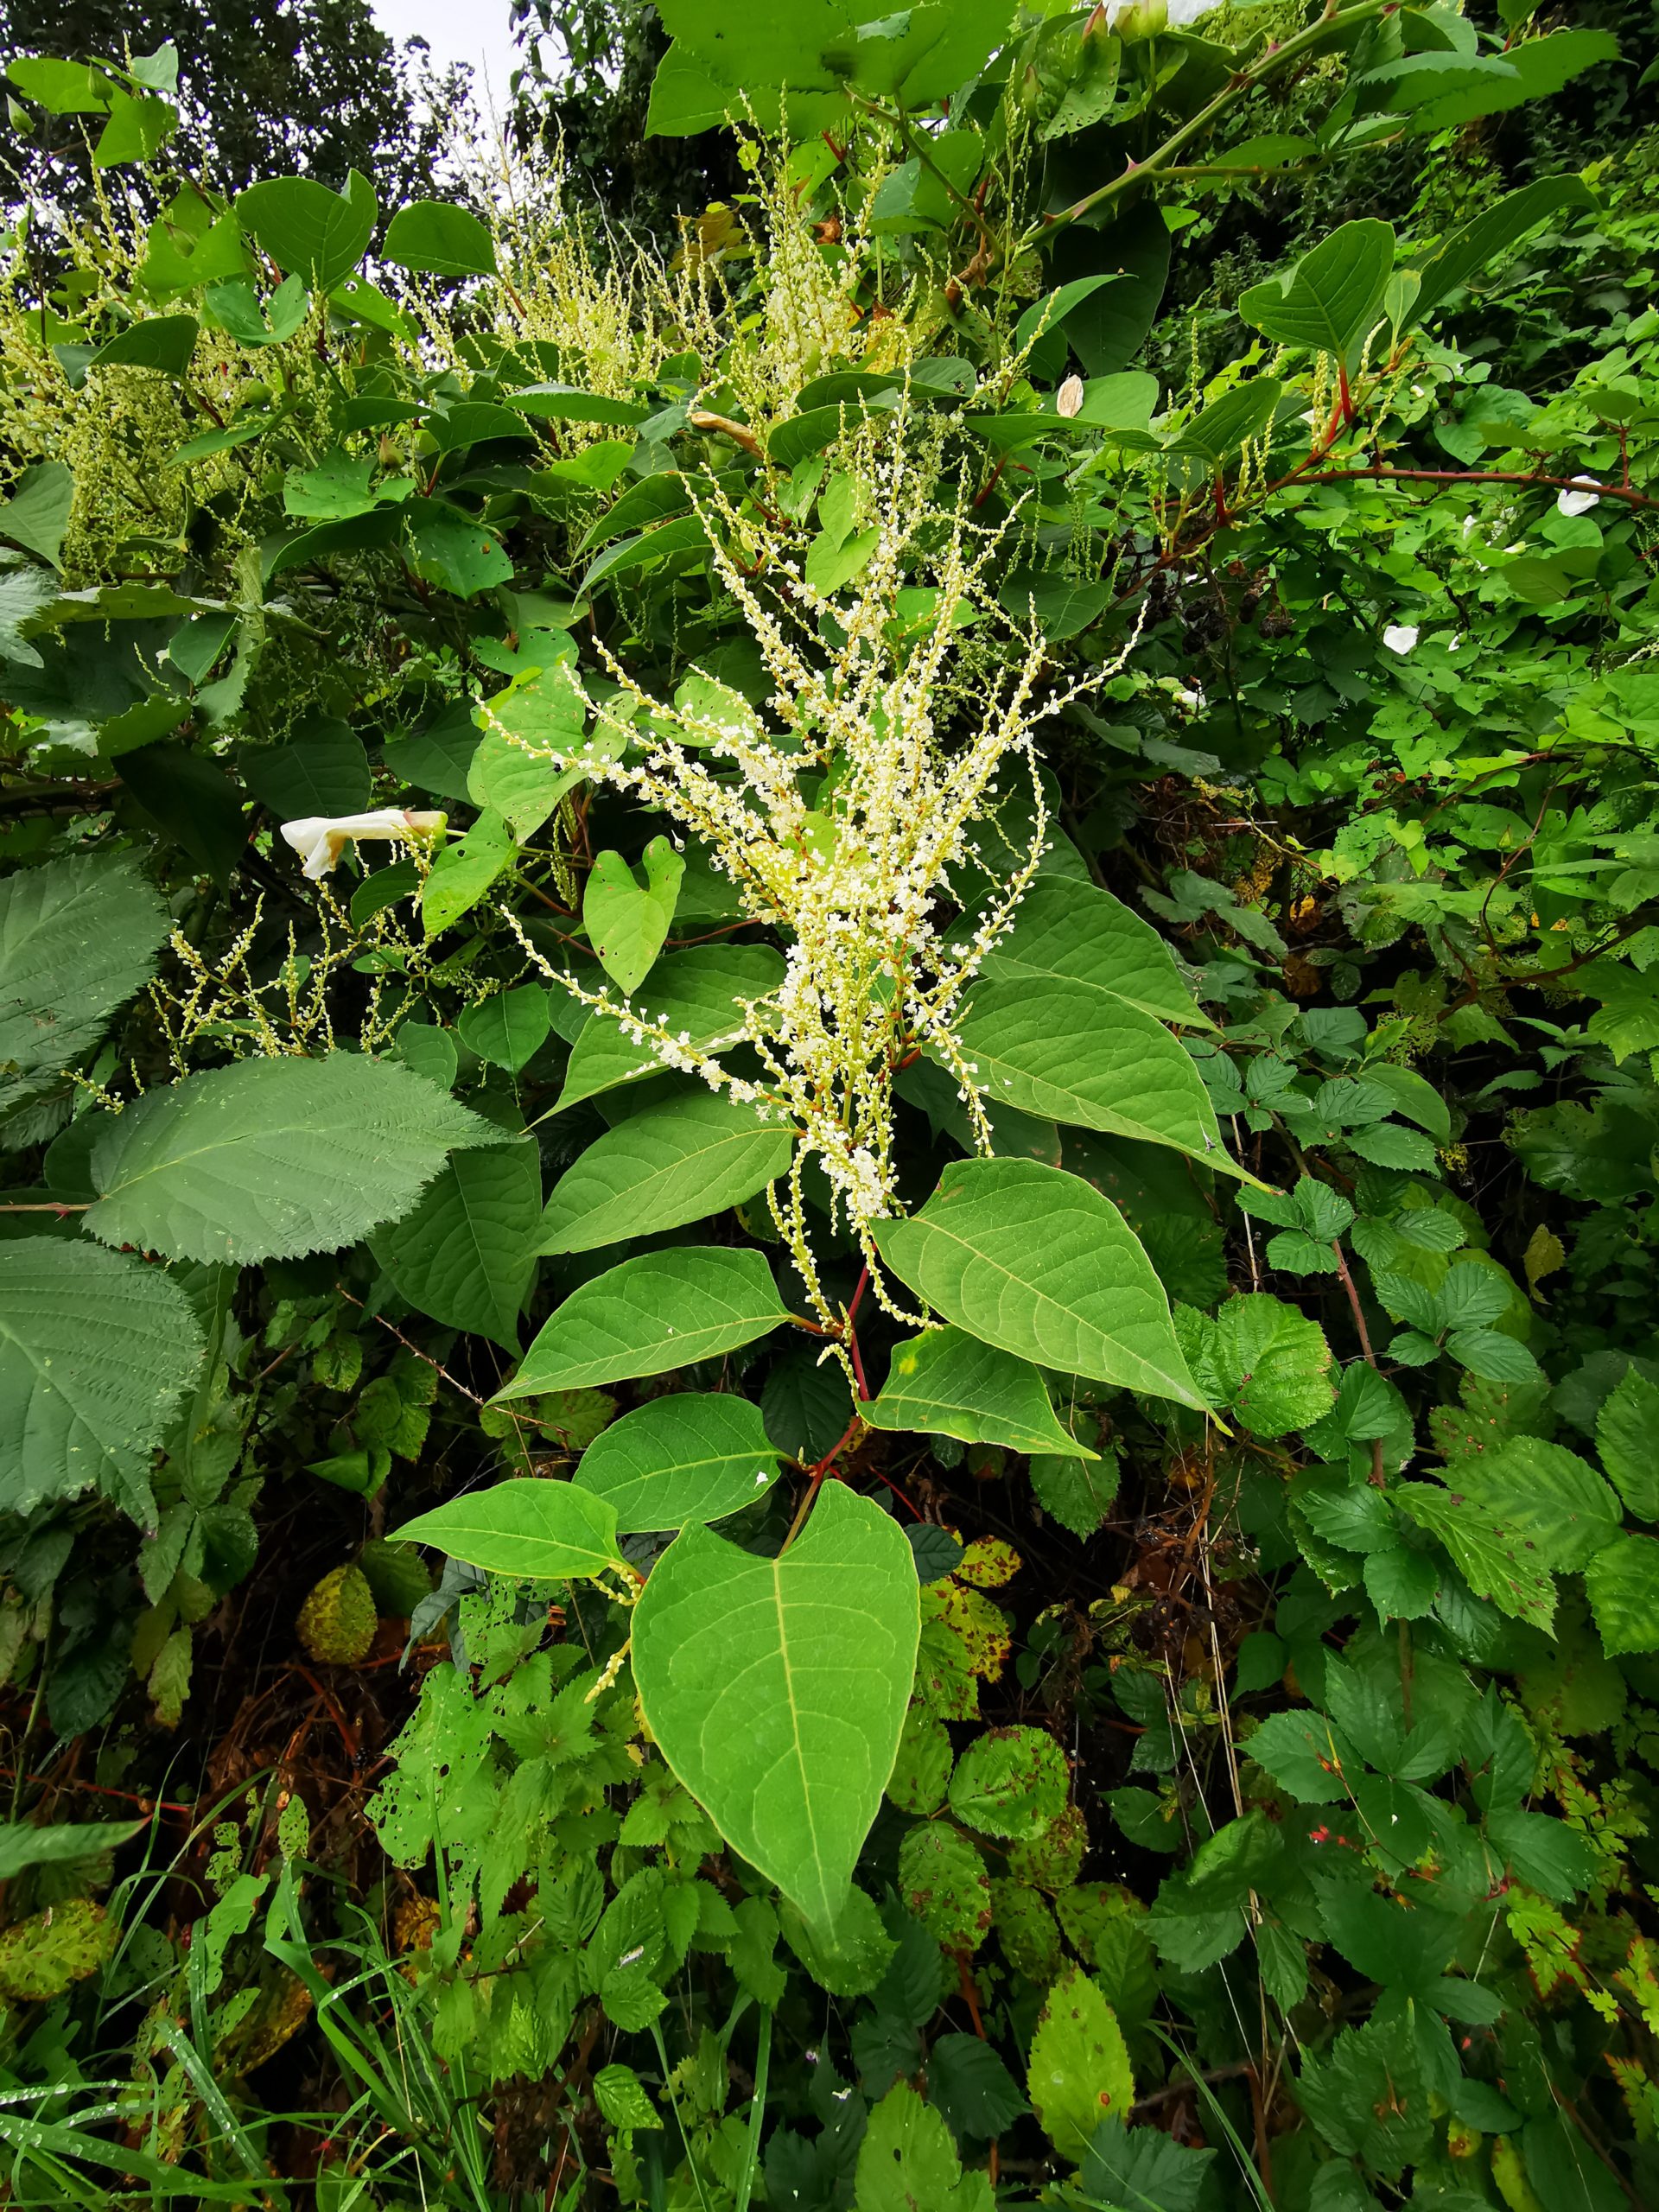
x=1401 y=637
x=1579 y=502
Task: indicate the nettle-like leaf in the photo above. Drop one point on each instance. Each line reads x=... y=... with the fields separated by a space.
x=1266 y=1362
x=268 y=1158
x=96 y=1351
x=696 y=1456
x=777 y=1688
x=1037 y=1263
x=77 y=938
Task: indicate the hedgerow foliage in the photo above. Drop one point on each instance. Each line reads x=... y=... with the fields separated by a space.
x=844 y=1117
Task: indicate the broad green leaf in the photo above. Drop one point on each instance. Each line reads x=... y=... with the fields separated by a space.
x=776 y=1688
x=1215 y=435
x=1332 y=299
x=1079 y=2073
x=438 y=241
x=452 y=550
x=1072 y=930
x=57 y=1845
x=267 y=1159
x=678 y=1162
x=1037 y=1263
x=696 y=992
x=467 y=1254
x=650 y=1315
x=138 y=126
x=538 y=1530
x=97 y=1349
x=164 y=342
x=37 y=515
x=1065 y=1052
x=948 y=1383
x=1530 y=70
x=439 y=758
x=307 y=230
x=1622 y=1583
x=77 y=938
x=325 y=771
x=1627 y=1437
x=907 y=2161
x=464 y=870
x=563 y=403
x=626 y=923
x=61 y=87
x=696 y=1456
x=508 y=1029
x=1473 y=246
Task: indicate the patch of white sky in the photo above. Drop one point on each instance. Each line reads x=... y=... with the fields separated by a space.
x=475 y=31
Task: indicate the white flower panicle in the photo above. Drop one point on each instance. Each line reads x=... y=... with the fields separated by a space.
x=844 y=822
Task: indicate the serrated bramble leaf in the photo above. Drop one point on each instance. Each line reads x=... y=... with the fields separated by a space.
x=776 y=1688
x=1622 y=1583
x=77 y=938
x=1079 y=2073
x=1011 y=1782
x=1627 y=1437
x=270 y=1158
x=694 y=1456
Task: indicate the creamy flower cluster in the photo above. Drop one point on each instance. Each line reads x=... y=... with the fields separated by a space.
x=846 y=818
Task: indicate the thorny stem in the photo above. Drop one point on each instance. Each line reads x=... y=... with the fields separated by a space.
x=436 y=1366
x=1358 y=1313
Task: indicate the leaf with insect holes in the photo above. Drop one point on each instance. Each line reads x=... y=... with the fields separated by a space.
x=625 y=922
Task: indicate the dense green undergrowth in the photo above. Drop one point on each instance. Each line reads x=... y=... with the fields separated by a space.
x=827 y=1367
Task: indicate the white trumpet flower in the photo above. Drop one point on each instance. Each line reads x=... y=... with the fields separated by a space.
x=1580 y=503
x=1401 y=637
x=322 y=838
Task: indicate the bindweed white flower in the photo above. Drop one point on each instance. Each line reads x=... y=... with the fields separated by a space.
x=1402 y=637
x=1068 y=400
x=1580 y=503
x=320 y=839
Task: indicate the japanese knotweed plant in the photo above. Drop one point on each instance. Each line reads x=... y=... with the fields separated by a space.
x=846 y=826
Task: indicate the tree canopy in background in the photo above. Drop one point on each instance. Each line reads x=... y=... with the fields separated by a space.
x=312 y=86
